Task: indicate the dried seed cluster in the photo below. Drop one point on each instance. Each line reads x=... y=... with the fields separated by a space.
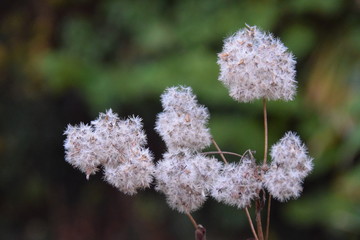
x=183 y=122
x=290 y=165
x=116 y=145
x=255 y=65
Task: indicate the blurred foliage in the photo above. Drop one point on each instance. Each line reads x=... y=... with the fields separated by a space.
x=63 y=61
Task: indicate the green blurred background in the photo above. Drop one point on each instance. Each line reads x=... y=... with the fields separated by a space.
x=64 y=61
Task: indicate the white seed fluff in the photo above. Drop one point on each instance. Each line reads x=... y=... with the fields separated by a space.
x=180 y=99
x=282 y=184
x=81 y=148
x=185 y=178
x=130 y=176
x=255 y=65
x=292 y=153
x=237 y=184
x=120 y=139
x=290 y=165
x=117 y=145
x=183 y=122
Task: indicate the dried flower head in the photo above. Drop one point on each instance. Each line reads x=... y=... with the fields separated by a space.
x=183 y=122
x=255 y=65
x=238 y=183
x=117 y=145
x=185 y=178
x=121 y=140
x=81 y=148
x=180 y=99
x=290 y=165
x=282 y=184
x=128 y=177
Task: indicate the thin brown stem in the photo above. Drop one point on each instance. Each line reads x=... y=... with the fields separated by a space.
x=229 y=153
x=258 y=219
x=192 y=220
x=220 y=152
x=251 y=223
x=266 y=132
x=265 y=161
x=247 y=152
x=268 y=218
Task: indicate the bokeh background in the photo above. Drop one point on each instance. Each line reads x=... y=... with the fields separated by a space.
x=64 y=61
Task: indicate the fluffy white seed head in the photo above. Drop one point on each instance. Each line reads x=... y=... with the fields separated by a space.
x=185 y=178
x=255 y=65
x=290 y=165
x=117 y=145
x=183 y=122
x=237 y=184
x=119 y=138
x=180 y=99
x=282 y=184
x=81 y=148
x=130 y=176
x=292 y=154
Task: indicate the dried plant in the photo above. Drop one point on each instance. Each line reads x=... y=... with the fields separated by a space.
x=253 y=65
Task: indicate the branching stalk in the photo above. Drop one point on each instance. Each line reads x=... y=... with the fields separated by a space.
x=220 y=152
x=228 y=153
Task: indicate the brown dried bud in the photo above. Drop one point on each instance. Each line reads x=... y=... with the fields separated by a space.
x=200 y=233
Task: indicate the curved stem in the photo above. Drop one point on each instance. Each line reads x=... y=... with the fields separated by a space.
x=268 y=219
x=258 y=219
x=266 y=131
x=265 y=161
x=248 y=152
x=220 y=152
x=192 y=220
x=251 y=224
x=229 y=153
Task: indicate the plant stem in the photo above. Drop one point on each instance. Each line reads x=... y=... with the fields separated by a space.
x=258 y=219
x=265 y=162
x=268 y=218
x=192 y=220
x=229 y=153
x=258 y=205
x=217 y=148
x=266 y=132
x=251 y=224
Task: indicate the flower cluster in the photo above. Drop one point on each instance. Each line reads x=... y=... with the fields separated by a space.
x=182 y=124
x=81 y=148
x=255 y=65
x=290 y=165
x=238 y=183
x=116 y=145
x=186 y=177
